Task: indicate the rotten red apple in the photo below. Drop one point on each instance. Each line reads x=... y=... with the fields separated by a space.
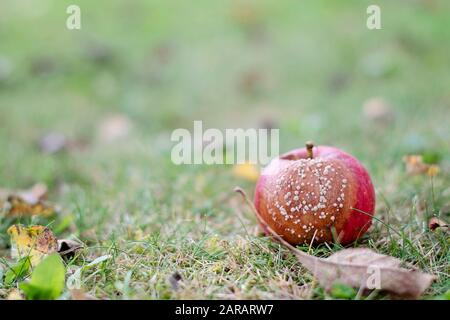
x=316 y=194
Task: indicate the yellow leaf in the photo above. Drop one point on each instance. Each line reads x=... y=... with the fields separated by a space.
x=433 y=170
x=415 y=165
x=246 y=171
x=35 y=242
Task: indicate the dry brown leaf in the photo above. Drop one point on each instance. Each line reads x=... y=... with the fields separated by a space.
x=68 y=246
x=354 y=267
x=27 y=202
x=34 y=242
x=435 y=223
x=16 y=206
x=415 y=165
x=78 y=294
x=14 y=294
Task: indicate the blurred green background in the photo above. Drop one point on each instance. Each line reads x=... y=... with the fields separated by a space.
x=310 y=68
x=304 y=66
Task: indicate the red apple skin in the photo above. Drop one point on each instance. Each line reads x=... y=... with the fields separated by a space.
x=349 y=225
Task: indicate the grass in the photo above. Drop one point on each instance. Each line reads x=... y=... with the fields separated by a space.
x=308 y=67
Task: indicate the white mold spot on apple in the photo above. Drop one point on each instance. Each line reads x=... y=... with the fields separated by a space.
x=306 y=193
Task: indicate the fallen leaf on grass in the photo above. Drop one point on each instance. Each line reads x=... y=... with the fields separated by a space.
x=415 y=165
x=357 y=267
x=68 y=246
x=16 y=206
x=246 y=171
x=35 y=242
x=27 y=202
x=435 y=223
x=47 y=279
x=78 y=294
x=14 y=294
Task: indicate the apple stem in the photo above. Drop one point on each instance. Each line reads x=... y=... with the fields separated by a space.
x=309 y=149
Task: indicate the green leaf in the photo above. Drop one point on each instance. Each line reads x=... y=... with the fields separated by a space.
x=47 y=279
x=431 y=157
x=342 y=291
x=64 y=224
x=445 y=296
x=18 y=271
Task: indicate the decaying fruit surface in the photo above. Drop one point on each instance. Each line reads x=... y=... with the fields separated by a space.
x=316 y=194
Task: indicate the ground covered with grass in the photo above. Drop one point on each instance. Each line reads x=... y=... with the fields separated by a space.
x=137 y=70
